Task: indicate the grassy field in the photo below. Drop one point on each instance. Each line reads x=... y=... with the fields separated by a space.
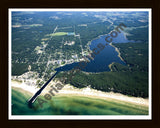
x=73 y=105
x=57 y=34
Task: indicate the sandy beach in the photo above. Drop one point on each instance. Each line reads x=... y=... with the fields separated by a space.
x=69 y=90
x=24 y=86
x=89 y=92
x=110 y=65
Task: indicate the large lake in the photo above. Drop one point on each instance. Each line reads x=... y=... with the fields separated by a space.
x=104 y=58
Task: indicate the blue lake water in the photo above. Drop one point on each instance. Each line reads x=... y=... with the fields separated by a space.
x=104 y=58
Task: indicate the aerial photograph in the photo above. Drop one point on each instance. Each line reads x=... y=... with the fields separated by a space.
x=79 y=62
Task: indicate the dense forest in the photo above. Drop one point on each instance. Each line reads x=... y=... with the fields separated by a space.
x=34 y=44
x=130 y=79
x=30 y=29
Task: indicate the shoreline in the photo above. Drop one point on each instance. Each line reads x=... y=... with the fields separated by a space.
x=89 y=92
x=21 y=85
x=69 y=90
x=110 y=66
x=89 y=42
x=116 y=49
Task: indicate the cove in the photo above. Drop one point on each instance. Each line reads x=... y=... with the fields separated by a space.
x=104 y=58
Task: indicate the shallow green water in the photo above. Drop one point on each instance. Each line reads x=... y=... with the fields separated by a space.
x=77 y=105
